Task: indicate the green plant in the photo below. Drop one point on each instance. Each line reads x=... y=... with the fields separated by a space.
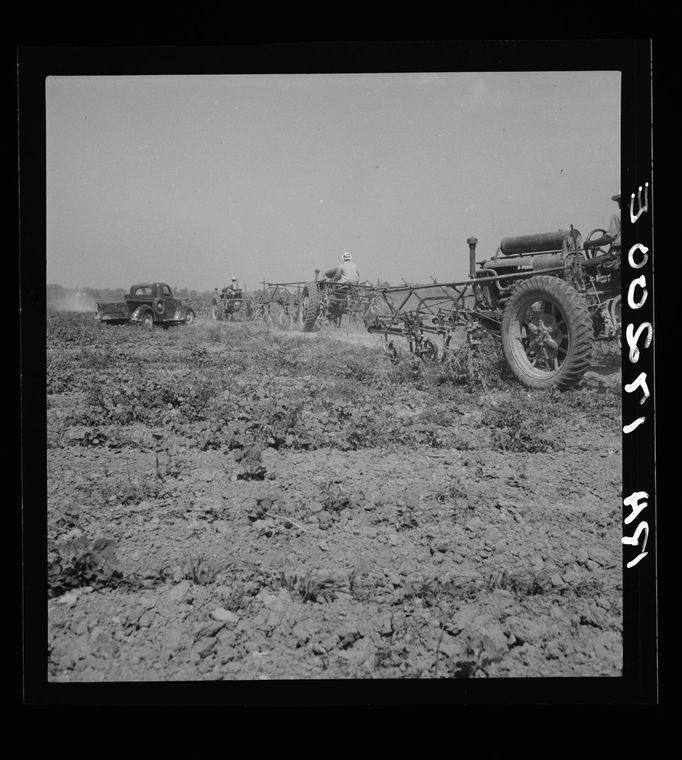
x=406 y=511
x=520 y=584
x=83 y=562
x=201 y=570
x=334 y=497
x=515 y=428
x=251 y=463
x=478 y=364
x=237 y=599
x=454 y=488
x=442 y=593
x=314 y=586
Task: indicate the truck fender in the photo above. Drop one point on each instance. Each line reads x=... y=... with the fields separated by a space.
x=137 y=315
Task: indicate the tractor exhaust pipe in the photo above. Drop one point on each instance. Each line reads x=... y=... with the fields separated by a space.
x=472 y=256
x=317 y=274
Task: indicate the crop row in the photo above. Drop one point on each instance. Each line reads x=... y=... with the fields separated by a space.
x=251 y=387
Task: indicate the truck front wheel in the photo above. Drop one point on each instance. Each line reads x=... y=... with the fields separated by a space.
x=147 y=320
x=547 y=333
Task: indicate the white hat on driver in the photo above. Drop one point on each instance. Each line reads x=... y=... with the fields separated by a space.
x=346 y=256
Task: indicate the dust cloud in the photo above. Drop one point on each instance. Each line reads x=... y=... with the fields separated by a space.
x=72 y=302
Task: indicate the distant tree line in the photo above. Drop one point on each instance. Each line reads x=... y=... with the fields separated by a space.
x=57 y=293
x=60 y=293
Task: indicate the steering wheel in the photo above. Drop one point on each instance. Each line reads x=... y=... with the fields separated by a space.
x=589 y=251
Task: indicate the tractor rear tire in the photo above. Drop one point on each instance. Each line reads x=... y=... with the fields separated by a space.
x=310 y=306
x=547 y=333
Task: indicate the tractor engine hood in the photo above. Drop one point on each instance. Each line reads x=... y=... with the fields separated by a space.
x=544 y=242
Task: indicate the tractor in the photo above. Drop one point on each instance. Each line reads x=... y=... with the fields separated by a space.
x=326 y=301
x=548 y=296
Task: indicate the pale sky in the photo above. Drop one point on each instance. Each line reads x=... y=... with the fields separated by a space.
x=194 y=179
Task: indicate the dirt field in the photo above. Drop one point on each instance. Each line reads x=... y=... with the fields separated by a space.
x=226 y=502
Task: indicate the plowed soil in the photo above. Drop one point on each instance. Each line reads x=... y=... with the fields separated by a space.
x=227 y=501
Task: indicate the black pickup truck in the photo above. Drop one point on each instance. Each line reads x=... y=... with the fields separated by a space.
x=147 y=303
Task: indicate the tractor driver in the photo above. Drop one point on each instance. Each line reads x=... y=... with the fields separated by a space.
x=612 y=237
x=611 y=264
x=234 y=291
x=347 y=273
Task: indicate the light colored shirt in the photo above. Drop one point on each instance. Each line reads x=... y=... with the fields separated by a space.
x=348 y=272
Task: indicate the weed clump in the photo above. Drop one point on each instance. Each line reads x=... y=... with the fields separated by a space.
x=250 y=459
x=515 y=428
x=441 y=593
x=201 y=570
x=334 y=497
x=478 y=364
x=83 y=562
x=314 y=586
x=519 y=584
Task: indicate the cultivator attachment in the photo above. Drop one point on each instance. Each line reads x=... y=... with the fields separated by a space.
x=433 y=319
x=281 y=303
x=428 y=336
